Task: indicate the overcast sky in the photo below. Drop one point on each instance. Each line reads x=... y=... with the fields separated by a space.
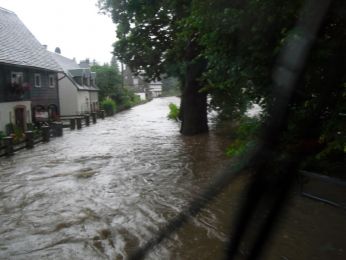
x=73 y=25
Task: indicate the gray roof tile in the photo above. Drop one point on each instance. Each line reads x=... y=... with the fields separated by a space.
x=72 y=69
x=18 y=46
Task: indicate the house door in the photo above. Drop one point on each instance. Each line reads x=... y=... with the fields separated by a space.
x=20 y=117
x=52 y=112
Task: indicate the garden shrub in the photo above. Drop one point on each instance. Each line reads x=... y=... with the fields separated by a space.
x=244 y=135
x=109 y=106
x=174 y=112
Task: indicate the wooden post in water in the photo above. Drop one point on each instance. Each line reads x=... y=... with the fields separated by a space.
x=79 y=123
x=93 y=115
x=58 y=128
x=9 y=145
x=72 y=124
x=102 y=114
x=29 y=139
x=87 y=120
x=45 y=133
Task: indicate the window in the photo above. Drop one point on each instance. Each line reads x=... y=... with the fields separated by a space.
x=51 y=81
x=86 y=81
x=37 y=80
x=17 y=77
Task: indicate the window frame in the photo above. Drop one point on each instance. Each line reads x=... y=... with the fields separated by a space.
x=51 y=79
x=40 y=80
x=19 y=77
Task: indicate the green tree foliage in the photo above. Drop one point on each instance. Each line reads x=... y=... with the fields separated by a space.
x=154 y=42
x=124 y=98
x=170 y=87
x=109 y=106
x=108 y=79
x=241 y=40
x=174 y=112
x=228 y=48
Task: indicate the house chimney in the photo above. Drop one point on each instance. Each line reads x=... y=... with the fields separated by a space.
x=45 y=46
x=57 y=50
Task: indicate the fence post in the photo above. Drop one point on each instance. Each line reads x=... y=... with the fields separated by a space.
x=87 y=120
x=93 y=114
x=57 y=128
x=72 y=124
x=79 y=123
x=45 y=133
x=29 y=139
x=102 y=113
x=9 y=145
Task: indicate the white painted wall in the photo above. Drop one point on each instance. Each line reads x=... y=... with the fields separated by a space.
x=67 y=96
x=141 y=95
x=94 y=98
x=83 y=100
x=7 y=113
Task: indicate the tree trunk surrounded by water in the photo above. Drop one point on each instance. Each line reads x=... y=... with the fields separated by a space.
x=193 y=109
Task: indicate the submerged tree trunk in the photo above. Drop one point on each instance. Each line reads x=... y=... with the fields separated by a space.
x=193 y=108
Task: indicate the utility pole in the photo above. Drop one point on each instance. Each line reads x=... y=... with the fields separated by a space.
x=122 y=74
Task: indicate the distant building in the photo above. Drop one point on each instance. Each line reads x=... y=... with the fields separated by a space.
x=137 y=84
x=77 y=88
x=28 y=76
x=155 y=88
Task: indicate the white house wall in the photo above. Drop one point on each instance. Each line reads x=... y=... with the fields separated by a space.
x=94 y=99
x=94 y=96
x=141 y=95
x=67 y=96
x=83 y=105
x=7 y=112
x=155 y=89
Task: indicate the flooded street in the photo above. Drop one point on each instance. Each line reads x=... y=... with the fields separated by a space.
x=100 y=192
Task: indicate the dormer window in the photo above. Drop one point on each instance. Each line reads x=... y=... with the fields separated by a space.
x=78 y=80
x=51 y=81
x=86 y=81
x=38 y=82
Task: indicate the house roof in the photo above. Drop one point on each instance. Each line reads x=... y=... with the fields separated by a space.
x=72 y=69
x=18 y=46
x=65 y=63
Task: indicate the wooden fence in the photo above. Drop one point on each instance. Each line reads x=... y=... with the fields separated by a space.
x=8 y=145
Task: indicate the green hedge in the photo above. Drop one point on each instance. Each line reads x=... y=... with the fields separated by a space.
x=174 y=111
x=109 y=106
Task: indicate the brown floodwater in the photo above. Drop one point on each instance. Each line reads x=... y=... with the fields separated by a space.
x=101 y=192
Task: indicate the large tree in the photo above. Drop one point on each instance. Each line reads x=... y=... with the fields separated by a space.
x=153 y=41
x=228 y=48
x=241 y=40
x=108 y=79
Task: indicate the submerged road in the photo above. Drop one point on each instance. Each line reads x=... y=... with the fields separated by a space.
x=101 y=192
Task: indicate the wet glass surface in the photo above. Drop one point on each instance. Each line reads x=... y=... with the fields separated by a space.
x=100 y=192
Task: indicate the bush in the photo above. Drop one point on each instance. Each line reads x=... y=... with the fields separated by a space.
x=125 y=98
x=9 y=128
x=244 y=135
x=108 y=106
x=135 y=99
x=174 y=112
x=18 y=134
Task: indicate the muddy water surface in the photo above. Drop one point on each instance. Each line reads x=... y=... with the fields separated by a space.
x=101 y=192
